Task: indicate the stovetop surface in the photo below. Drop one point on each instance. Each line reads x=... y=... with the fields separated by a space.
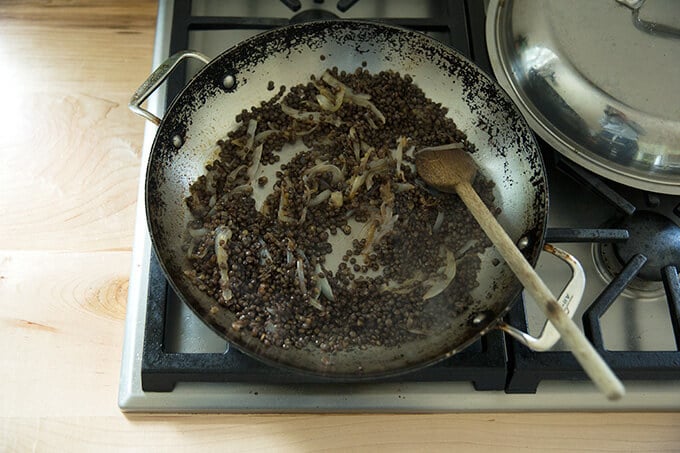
x=180 y=348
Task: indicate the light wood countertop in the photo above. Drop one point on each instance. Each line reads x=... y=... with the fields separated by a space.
x=68 y=183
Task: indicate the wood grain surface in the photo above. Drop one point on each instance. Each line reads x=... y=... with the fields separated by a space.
x=68 y=183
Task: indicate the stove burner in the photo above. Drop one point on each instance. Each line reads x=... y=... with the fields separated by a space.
x=656 y=237
x=310 y=15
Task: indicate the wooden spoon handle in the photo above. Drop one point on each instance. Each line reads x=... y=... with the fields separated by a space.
x=593 y=364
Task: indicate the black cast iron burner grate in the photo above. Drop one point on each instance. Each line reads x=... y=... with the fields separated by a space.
x=455 y=21
x=528 y=368
x=484 y=363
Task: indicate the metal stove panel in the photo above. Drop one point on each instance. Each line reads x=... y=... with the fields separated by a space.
x=191 y=336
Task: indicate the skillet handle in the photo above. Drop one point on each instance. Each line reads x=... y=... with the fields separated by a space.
x=569 y=300
x=653 y=28
x=156 y=78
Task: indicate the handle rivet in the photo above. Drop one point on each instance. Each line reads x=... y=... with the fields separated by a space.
x=177 y=141
x=229 y=81
x=478 y=319
x=523 y=243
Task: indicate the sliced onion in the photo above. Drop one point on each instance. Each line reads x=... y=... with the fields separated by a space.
x=309 y=117
x=315 y=303
x=300 y=273
x=438 y=222
x=214 y=208
x=191 y=249
x=370 y=235
x=324 y=102
x=307 y=132
x=336 y=173
x=362 y=100
x=335 y=83
x=406 y=286
x=356 y=143
x=246 y=188
x=377 y=167
x=403 y=187
x=357 y=182
x=369 y=181
x=314 y=117
x=260 y=137
x=449 y=271
x=339 y=98
x=231 y=177
x=197 y=233
x=323 y=284
x=442 y=147
x=283 y=201
x=336 y=199
x=329 y=102
x=371 y=123
x=416 y=331
x=252 y=126
x=320 y=197
x=389 y=221
x=222 y=237
x=255 y=164
x=466 y=248
x=364 y=160
x=361 y=96
x=381 y=167
x=210 y=185
x=379 y=164
x=265 y=256
x=399 y=156
x=387 y=196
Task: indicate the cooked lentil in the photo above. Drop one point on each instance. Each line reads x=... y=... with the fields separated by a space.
x=269 y=264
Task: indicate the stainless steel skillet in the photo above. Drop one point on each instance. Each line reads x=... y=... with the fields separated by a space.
x=237 y=79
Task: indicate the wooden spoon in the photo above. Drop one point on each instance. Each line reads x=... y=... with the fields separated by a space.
x=452 y=171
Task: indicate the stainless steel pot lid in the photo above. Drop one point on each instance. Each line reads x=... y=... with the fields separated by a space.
x=598 y=80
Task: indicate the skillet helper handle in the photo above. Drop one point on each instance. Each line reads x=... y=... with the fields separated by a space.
x=591 y=362
x=569 y=300
x=156 y=78
x=653 y=28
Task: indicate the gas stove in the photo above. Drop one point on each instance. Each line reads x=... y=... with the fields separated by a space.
x=626 y=241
